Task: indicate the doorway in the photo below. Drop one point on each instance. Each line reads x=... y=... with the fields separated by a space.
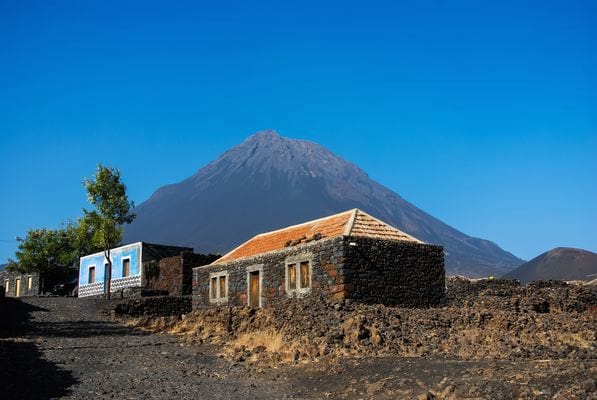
x=91 y=275
x=254 y=289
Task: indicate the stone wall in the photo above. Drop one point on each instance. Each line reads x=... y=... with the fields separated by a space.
x=373 y=271
x=174 y=274
x=12 y=277
x=394 y=273
x=460 y=290
x=154 y=306
x=509 y=295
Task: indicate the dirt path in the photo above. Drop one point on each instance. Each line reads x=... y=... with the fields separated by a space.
x=66 y=348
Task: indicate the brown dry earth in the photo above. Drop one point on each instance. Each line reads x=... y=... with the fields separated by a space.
x=68 y=348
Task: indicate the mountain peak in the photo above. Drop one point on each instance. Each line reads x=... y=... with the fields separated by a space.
x=265 y=136
x=266 y=133
x=269 y=181
x=268 y=153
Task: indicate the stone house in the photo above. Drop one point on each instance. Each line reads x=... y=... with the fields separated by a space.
x=350 y=255
x=17 y=284
x=142 y=265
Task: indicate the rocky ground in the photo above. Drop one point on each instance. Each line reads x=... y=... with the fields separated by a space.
x=495 y=320
x=491 y=341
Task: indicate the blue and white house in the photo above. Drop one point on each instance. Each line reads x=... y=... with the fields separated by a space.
x=127 y=266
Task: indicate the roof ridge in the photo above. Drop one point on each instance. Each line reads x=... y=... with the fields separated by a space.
x=390 y=226
x=351 y=221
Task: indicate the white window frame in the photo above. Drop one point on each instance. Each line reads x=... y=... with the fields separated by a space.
x=297 y=263
x=94 y=273
x=255 y=268
x=122 y=266
x=218 y=296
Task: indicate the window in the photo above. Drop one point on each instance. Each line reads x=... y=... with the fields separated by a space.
x=223 y=287
x=218 y=287
x=298 y=277
x=6 y=285
x=305 y=275
x=29 y=282
x=291 y=271
x=126 y=267
x=213 y=288
x=91 y=274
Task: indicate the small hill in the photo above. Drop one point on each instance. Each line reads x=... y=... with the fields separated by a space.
x=562 y=263
x=3 y=267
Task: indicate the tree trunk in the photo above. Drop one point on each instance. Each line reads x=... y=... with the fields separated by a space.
x=108 y=274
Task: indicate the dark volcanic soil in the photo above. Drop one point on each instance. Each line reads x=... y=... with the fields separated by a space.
x=67 y=348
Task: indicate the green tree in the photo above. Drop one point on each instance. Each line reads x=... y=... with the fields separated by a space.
x=107 y=193
x=45 y=250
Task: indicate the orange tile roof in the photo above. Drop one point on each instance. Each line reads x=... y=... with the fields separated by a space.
x=348 y=223
x=367 y=226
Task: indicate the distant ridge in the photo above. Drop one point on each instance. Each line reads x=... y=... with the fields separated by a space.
x=269 y=182
x=563 y=263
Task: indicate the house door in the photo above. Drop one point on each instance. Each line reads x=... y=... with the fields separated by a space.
x=254 y=289
x=18 y=287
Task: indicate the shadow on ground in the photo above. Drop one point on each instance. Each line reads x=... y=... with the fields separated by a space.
x=14 y=316
x=24 y=374
x=80 y=329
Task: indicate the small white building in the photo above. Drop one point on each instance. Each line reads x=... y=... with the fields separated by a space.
x=127 y=266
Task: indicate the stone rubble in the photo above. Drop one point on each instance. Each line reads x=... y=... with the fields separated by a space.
x=489 y=319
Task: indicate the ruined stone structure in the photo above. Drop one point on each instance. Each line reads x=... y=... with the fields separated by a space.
x=174 y=274
x=17 y=284
x=350 y=255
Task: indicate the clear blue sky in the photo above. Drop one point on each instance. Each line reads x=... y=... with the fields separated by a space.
x=482 y=113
